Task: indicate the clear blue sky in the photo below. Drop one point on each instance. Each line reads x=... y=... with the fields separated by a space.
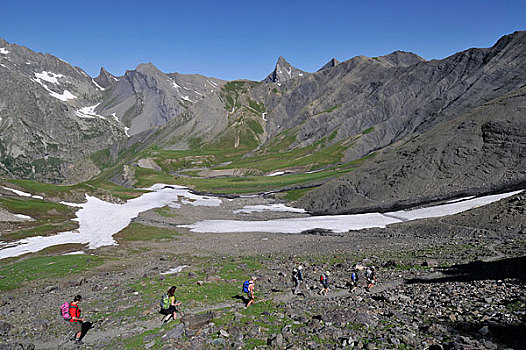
x=243 y=39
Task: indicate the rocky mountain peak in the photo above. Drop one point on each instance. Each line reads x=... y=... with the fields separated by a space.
x=147 y=69
x=331 y=64
x=515 y=38
x=283 y=71
x=105 y=78
x=513 y=44
x=402 y=58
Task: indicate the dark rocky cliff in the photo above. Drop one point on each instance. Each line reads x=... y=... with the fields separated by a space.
x=481 y=151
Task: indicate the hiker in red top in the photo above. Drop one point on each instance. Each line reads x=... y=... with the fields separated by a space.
x=76 y=321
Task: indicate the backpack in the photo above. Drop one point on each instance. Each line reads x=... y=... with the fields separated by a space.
x=64 y=311
x=354 y=277
x=245 y=286
x=164 y=303
x=324 y=278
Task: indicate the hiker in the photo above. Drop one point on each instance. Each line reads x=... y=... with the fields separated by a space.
x=370 y=275
x=354 y=281
x=324 y=280
x=168 y=304
x=75 y=320
x=297 y=277
x=248 y=287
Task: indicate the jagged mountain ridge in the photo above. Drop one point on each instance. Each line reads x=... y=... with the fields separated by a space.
x=146 y=98
x=392 y=96
x=47 y=128
x=366 y=103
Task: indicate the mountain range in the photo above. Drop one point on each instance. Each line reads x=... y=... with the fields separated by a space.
x=421 y=130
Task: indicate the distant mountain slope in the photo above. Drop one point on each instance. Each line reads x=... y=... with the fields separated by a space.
x=53 y=113
x=146 y=98
x=481 y=151
x=377 y=101
x=47 y=121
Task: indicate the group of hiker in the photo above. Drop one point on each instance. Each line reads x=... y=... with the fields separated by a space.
x=168 y=304
x=370 y=277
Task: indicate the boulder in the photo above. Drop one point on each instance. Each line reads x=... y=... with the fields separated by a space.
x=175 y=333
x=195 y=322
x=5 y=328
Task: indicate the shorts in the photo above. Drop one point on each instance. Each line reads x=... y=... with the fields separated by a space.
x=168 y=311
x=76 y=326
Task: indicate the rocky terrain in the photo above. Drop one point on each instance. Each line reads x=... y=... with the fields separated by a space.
x=451 y=283
x=489 y=155
x=403 y=131
x=359 y=107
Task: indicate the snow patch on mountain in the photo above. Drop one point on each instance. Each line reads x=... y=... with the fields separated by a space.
x=65 y=96
x=50 y=77
x=211 y=83
x=186 y=98
x=97 y=85
x=174 y=84
x=22 y=193
x=3 y=51
x=88 y=112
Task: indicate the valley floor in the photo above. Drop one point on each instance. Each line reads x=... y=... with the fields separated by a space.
x=456 y=282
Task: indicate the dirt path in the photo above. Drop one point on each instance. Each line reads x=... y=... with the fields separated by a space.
x=98 y=335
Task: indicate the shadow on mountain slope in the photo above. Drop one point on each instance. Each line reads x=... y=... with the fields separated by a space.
x=510 y=335
x=514 y=268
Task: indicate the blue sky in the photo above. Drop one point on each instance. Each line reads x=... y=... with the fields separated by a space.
x=243 y=39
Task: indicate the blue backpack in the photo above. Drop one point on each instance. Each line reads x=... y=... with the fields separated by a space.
x=354 y=277
x=245 y=286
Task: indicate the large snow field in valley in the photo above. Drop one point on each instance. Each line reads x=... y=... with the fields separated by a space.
x=99 y=220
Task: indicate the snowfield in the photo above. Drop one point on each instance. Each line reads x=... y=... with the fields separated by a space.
x=100 y=220
x=342 y=223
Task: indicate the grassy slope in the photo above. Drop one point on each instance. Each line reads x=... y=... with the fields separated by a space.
x=44 y=267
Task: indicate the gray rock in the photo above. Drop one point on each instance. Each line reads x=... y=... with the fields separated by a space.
x=50 y=289
x=484 y=330
x=5 y=328
x=276 y=341
x=194 y=322
x=218 y=342
x=175 y=333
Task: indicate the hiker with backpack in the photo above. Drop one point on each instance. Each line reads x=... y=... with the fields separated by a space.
x=71 y=313
x=297 y=277
x=324 y=280
x=370 y=275
x=168 y=304
x=354 y=281
x=248 y=287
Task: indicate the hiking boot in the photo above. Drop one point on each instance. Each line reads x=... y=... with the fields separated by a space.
x=79 y=342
